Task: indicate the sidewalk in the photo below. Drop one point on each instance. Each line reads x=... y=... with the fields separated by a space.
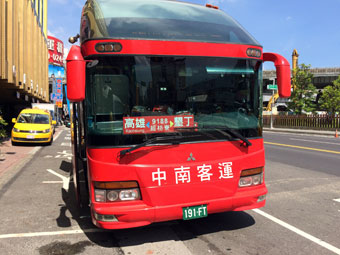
x=11 y=156
x=301 y=131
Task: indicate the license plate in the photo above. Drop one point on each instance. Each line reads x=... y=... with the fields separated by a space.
x=30 y=137
x=195 y=212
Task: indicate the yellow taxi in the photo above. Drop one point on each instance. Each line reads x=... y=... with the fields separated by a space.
x=33 y=126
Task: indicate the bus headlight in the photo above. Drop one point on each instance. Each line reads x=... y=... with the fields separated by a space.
x=251 y=177
x=132 y=194
x=116 y=191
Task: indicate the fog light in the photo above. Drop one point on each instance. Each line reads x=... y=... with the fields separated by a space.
x=261 y=198
x=105 y=217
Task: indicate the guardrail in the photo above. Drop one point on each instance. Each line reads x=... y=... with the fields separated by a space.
x=317 y=122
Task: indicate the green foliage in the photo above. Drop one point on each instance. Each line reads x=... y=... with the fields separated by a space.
x=303 y=95
x=3 y=123
x=330 y=98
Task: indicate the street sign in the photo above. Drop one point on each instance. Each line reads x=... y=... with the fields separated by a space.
x=56 y=96
x=157 y=124
x=59 y=104
x=272 y=86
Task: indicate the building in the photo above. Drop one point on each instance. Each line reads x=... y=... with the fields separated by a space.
x=23 y=55
x=56 y=72
x=322 y=77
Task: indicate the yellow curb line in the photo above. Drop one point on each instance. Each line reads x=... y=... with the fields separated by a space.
x=301 y=147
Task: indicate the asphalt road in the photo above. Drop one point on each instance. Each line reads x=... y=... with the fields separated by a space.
x=302 y=214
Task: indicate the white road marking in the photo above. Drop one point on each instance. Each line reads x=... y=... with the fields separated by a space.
x=67 y=137
x=299 y=232
x=170 y=246
x=337 y=200
x=48 y=156
x=52 y=233
x=64 y=154
x=34 y=150
x=56 y=137
x=65 y=180
x=52 y=182
x=304 y=140
x=66 y=144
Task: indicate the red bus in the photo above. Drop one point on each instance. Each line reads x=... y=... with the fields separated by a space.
x=167 y=112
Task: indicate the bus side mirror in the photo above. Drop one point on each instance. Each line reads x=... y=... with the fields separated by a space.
x=75 y=74
x=282 y=72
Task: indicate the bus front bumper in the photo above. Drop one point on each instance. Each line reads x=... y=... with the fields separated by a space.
x=137 y=213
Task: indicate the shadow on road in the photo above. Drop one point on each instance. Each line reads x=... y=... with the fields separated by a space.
x=65 y=166
x=157 y=232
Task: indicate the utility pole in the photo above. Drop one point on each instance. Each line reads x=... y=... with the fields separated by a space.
x=295 y=63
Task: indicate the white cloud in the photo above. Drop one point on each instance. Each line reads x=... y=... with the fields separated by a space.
x=289 y=18
x=50 y=33
x=58 y=31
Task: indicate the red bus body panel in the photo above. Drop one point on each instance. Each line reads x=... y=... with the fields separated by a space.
x=171 y=48
x=75 y=75
x=163 y=200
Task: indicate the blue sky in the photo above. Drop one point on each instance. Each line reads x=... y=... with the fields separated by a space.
x=312 y=27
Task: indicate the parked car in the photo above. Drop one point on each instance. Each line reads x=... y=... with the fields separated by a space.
x=33 y=126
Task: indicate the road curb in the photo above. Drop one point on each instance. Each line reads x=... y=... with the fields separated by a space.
x=301 y=131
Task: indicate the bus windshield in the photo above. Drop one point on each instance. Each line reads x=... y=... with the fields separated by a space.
x=160 y=20
x=131 y=98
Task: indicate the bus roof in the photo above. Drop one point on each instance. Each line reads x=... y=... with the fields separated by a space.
x=160 y=20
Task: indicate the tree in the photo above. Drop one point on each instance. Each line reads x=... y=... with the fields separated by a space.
x=302 y=98
x=330 y=99
x=3 y=123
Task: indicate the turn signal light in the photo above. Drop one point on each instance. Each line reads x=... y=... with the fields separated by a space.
x=109 y=47
x=116 y=185
x=252 y=171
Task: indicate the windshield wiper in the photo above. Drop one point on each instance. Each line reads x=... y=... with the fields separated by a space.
x=150 y=141
x=234 y=133
x=221 y=129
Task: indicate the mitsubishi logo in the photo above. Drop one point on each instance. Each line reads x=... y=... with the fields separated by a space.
x=191 y=157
